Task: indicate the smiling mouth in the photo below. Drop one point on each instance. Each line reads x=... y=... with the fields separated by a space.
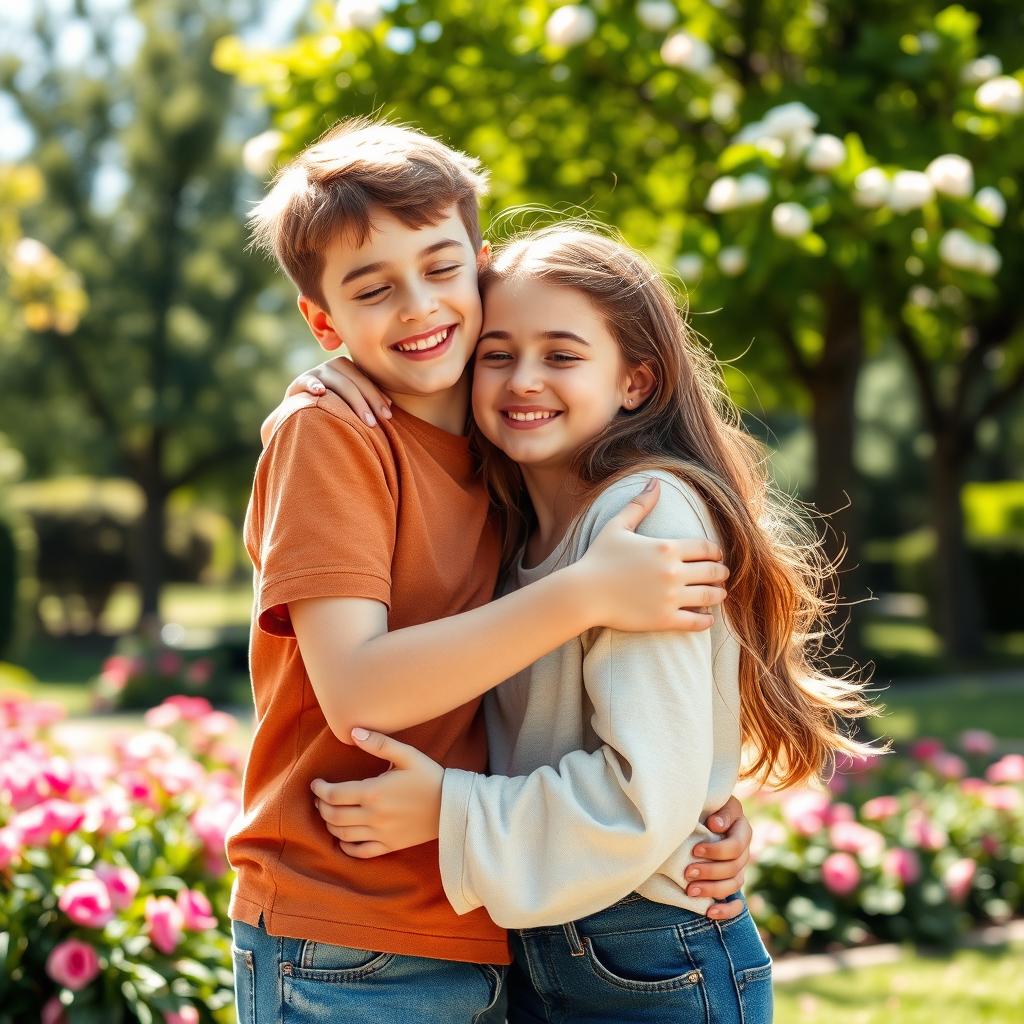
x=529 y=420
x=426 y=344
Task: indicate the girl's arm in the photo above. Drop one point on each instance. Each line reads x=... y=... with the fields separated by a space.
x=364 y=675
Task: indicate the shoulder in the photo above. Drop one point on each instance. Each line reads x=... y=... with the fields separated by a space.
x=680 y=511
x=324 y=414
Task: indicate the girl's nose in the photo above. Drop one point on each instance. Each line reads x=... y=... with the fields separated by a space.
x=525 y=382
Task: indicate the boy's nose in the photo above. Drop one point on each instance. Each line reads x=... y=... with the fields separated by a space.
x=419 y=304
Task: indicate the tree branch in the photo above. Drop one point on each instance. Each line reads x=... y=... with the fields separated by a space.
x=998 y=400
x=934 y=413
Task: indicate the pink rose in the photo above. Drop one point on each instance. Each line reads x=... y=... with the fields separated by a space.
x=10 y=847
x=53 y=817
x=191 y=708
x=163 y=716
x=990 y=845
x=881 y=808
x=168 y=663
x=926 y=748
x=185 y=1015
x=53 y=1012
x=164 y=920
x=200 y=672
x=852 y=837
x=840 y=874
x=73 y=964
x=972 y=786
x=196 y=912
x=902 y=864
x=949 y=766
x=838 y=812
x=1001 y=798
x=87 y=902
x=1007 y=769
x=977 y=741
x=958 y=878
x=804 y=810
x=924 y=833
x=122 y=884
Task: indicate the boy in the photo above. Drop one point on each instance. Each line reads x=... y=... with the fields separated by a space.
x=375 y=556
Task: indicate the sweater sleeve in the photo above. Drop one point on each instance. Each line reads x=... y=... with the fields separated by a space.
x=569 y=840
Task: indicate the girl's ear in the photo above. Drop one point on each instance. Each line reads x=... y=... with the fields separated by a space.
x=483 y=257
x=640 y=382
x=320 y=324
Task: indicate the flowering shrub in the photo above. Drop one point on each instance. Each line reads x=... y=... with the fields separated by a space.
x=899 y=848
x=113 y=882
x=138 y=676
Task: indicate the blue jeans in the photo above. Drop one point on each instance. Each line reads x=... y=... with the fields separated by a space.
x=641 y=961
x=298 y=981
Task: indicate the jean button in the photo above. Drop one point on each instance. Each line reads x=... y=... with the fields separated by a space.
x=693 y=977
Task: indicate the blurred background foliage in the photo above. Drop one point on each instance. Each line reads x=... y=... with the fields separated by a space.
x=780 y=160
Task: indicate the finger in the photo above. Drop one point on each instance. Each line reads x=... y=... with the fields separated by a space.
x=716 y=890
x=341 y=815
x=305 y=383
x=699 y=549
x=352 y=833
x=692 y=622
x=726 y=911
x=401 y=755
x=710 y=573
x=363 y=851
x=715 y=870
x=633 y=514
x=724 y=818
x=339 y=793
x=701 y=597
x=350 y=393
x=371 y=394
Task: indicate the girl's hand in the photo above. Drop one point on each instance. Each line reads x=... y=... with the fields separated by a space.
x=645 y=584
x=721 y=873
x=390 y=812
x=348 y=382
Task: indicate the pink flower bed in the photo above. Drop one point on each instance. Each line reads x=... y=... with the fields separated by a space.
x=919 y=846
x=113 y=882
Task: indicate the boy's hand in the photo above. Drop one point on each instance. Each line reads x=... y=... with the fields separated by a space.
x=644 y=584
x=348 y=382
x=400 y=808
x=721 y=874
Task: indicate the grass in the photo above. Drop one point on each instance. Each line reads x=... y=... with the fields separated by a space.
x=969 y=987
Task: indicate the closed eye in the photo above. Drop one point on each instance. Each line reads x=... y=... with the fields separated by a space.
x=494 y=356
x=444 y=270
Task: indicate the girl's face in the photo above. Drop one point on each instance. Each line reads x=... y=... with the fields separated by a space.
x=548 y=375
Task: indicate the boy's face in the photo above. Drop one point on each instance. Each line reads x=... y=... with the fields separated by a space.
x=405 y=302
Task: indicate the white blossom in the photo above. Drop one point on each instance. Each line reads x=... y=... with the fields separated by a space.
x=825 y=153
x=732 y=260
x=753 y=189
x=657 y=15
x=871 y=188
x=723 y=105
x=570 y=25
x=992 y=202
x=29 y=255
x=981 y=70
x=681 y=50
x=690 y=266
x=364 y=14
x=797 y=143
x=951 y=175
x=910 y=190
x=790 y=220
x=1002 y=95
x=957 y=249
x=928 y=41
x=260 y=152
x=789 y=119
x=751 y=132
x=923 y=296
x=724 y=195
x=771 y=146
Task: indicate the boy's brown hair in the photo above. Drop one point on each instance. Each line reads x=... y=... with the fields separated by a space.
x=332 y=187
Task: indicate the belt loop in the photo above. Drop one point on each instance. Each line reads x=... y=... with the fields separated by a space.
x=572 y=936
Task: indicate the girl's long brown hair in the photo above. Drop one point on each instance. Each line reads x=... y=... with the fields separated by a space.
x=793 y=710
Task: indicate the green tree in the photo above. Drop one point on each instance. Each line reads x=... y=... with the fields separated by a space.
x=638 y=111
x=164 y=375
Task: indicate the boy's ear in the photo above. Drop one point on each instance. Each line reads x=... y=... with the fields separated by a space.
x=320 y=324
x=483 y=257
x=640 y=382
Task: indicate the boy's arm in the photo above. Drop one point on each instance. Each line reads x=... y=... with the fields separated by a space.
x=365 y=676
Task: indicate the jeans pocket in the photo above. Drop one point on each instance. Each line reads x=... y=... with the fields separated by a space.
x=646 y=960
x=245 y=985
x=322 y=961
x=754 y=986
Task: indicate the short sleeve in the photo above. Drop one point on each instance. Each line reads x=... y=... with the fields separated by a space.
x=322 y=517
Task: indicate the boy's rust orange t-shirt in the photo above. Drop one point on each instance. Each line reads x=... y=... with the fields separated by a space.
x=396 y=514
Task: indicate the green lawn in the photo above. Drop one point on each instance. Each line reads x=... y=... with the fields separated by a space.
x=970 y=987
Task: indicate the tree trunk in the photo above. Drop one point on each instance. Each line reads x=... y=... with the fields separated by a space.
x=836 y=490
x=957 y=617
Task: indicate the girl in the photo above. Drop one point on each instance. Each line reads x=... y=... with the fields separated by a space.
x=609 y=753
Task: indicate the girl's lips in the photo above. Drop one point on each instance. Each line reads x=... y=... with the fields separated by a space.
x=430 y=353
x=527 y=424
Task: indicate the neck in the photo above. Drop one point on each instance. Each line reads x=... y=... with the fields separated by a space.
x=555 y=499
x=447 y=409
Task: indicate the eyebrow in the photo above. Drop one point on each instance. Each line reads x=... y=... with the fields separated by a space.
x=546 y=335
x=372 y=268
